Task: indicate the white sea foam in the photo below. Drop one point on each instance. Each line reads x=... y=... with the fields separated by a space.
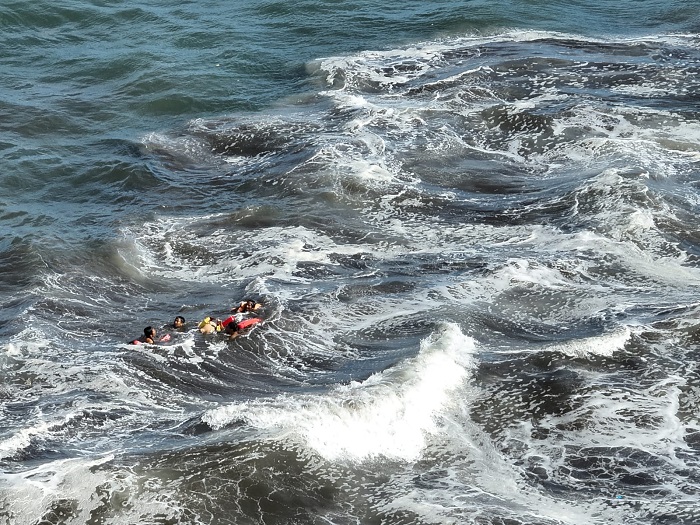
x=611 y=420
x=279 y=252
x=14 y=444
x=37 y=490
x=31 y=341
x=441 y=248
x=390 y=414
x=605 y=345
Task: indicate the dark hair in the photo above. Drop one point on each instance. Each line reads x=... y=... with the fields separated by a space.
x=180 y=318
x=148 y=331
x=246 y=305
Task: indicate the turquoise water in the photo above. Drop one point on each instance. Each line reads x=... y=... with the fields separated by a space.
x=80 y=76
x=472 y=226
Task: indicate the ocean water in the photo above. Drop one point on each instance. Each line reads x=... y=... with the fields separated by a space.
x=472 y=226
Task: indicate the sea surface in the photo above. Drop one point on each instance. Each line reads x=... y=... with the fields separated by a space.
x=473 y=227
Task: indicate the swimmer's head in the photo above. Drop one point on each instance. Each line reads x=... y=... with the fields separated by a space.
x=246 y=306
x=179 y=322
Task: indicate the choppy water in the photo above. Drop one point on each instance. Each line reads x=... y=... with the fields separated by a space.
x=472 y=225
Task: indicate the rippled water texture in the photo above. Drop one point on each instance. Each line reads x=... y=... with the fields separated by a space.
x=471 y=226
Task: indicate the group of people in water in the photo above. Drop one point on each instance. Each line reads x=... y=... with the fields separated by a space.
x=238 y=322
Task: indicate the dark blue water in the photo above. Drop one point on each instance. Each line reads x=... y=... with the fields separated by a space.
x=472 y=227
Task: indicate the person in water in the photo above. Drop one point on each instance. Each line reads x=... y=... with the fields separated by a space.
x=210 y=325
x=235 y=323
x=148 y=337
x=233 y=327
x=247 y=306
x=243 y=310
x=178 y=325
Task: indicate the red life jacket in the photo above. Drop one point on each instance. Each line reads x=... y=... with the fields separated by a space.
x=248 y=322
x=245 y=323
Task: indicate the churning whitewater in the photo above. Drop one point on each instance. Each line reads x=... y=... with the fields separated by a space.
x=476 y=251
